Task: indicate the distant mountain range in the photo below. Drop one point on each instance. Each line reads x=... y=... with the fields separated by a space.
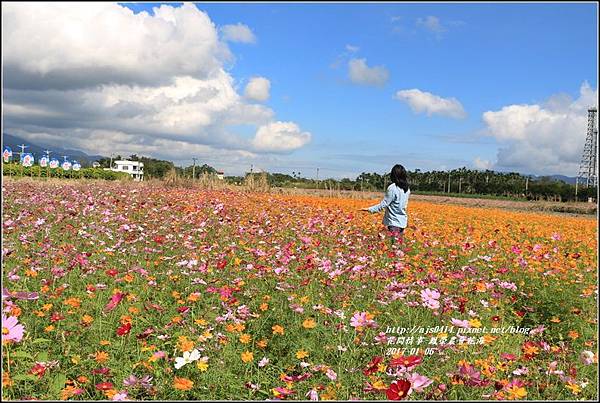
x=85 y=160
x=39 y=149
x=568 y=179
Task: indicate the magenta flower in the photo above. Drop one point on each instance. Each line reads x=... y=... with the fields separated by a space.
x=12 y=330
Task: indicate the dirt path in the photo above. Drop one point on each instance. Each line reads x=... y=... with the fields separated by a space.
x=570 y=208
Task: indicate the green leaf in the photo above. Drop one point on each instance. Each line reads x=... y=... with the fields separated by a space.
x=43 y=356
x=58 y=383
x=21 y=354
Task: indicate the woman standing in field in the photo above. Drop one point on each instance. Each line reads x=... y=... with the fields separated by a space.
x=395 y=203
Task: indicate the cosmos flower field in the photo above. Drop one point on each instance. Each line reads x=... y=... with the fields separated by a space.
x=123 y=291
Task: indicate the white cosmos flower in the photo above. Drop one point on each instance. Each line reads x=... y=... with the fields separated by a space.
x=187 y=358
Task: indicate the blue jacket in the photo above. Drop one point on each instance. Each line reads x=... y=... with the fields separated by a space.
x=395 y=203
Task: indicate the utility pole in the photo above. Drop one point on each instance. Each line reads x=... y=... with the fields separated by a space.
x=448 y=182
x=317 y=178
x=194 y=168
x=526 y=184
x=111 y=158
x=576 y=183
x=459 y=184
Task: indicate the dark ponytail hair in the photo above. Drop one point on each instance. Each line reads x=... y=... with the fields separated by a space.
x=399 y=177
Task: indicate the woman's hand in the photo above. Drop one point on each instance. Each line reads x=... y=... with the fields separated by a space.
x=364 y=209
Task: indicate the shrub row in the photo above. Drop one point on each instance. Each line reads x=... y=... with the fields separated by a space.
x=86 y=173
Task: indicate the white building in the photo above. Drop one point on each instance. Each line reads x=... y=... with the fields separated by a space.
x=133 y=168
x=220 y=175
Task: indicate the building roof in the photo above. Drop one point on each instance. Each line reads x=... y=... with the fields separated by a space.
x=127 y=162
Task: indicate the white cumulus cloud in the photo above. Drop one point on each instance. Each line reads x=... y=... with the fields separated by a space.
x=360 y=73
x=101 y=78
x=280 y=137
x=258 y=89
x=543 y=138
x=481 y=164
x=238 y=33
x=426 y=102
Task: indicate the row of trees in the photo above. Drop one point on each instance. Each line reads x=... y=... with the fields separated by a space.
x=458 y=181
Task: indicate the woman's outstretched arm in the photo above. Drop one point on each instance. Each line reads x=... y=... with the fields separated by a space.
x=389 y=197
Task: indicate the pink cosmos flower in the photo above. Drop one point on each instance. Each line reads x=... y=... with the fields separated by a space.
x=159 y=354
x=521 y=371
x=361 y=319
x=313 y=394
x=419 y=382
x=114 y=301
x=120 y=396
x=552 y=369
x=430 y=298
x=588 y=357
x=12 y=330
x=461 y=323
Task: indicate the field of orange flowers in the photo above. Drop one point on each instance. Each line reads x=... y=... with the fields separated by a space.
x=128 y=292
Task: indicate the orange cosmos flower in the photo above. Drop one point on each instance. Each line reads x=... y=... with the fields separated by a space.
x=247 y=356
x=101 y=356
x=87 y=320
x=184 y=344
x=182 y=383
x=309 y=324
x=300 y=354
x=261 y=343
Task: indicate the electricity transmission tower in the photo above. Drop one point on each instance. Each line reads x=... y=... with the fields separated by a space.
x=589 y=158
